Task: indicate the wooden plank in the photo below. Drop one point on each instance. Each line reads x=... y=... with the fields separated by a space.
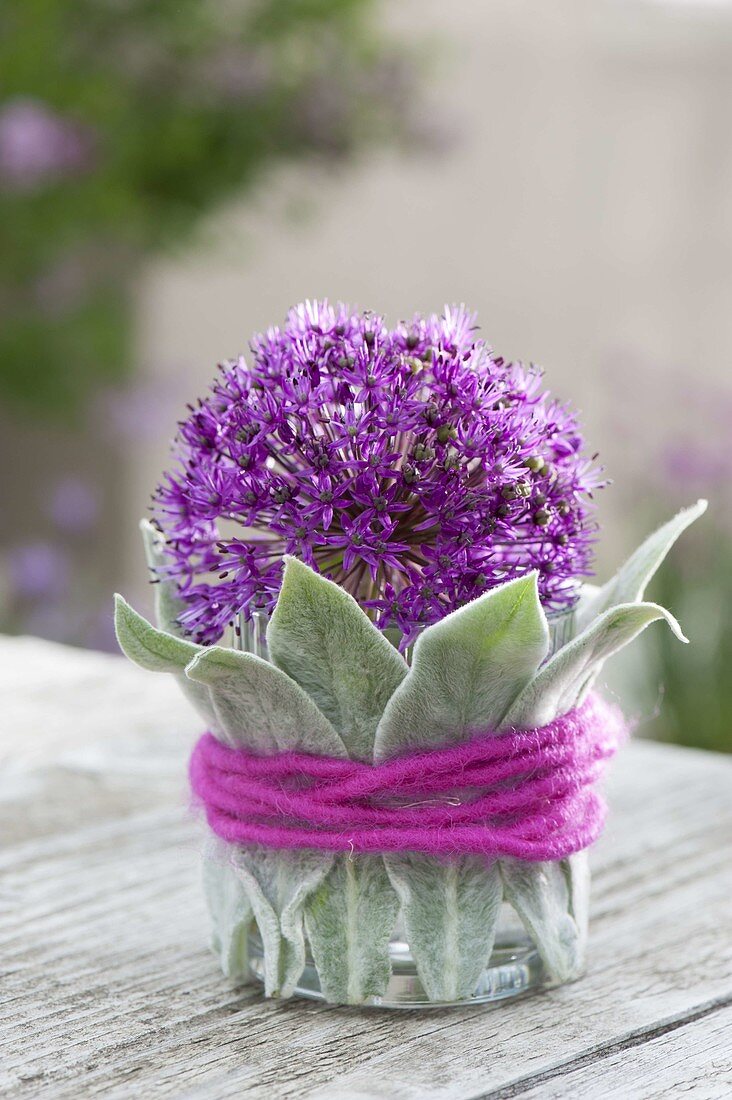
x=689 y=1057
x=108 y=989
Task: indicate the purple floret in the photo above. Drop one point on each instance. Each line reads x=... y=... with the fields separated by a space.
x=411 y=466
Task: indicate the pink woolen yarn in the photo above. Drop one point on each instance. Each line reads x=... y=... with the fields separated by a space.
x=526 y=794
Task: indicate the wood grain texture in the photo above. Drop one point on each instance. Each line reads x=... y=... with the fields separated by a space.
x=108 y=989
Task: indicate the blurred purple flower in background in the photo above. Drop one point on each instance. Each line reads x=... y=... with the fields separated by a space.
x=137 y=412
x=37 y=570
x=38 y=146
x=696 y=466
x=412 y=466
x=74 y=505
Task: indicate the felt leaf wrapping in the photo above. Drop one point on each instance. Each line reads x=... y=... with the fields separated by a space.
x=350 y=919
x=230 y=911
x=228 y=904
x=577 y=873
x=540 y=895
x=259 y=708
x=465 y=672
x=450 y=913
x=551 y=898
x=337 y=687
x=565 y=679
x=278 y=884
x=256 y=706
x=322 y=639
x=227 y=900
x=608 y=619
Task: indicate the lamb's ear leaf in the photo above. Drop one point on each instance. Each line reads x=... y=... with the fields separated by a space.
x=565 y=679
x=259 y=707
x=577 y=873
x=168 y=604
x=465 y=672
x=552 y=898
x=144 y=645
x=629 y=583
x=230 y=911
x=450 y=916
x=278 y=885
x=350 y=919
x=540 y=893
x=322 y=639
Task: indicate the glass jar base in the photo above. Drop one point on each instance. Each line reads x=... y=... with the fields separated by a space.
x=514 y=969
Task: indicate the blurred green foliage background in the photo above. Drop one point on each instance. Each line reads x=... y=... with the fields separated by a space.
x=123 y=122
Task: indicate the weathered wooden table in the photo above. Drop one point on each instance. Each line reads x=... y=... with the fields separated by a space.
x=108 y=988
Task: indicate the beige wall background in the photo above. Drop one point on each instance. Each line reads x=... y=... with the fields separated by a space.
x=581 y=203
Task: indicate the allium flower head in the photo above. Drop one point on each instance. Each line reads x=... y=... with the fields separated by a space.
x=410 y=465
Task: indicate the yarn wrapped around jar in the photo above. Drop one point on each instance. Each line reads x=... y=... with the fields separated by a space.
x=523 y=794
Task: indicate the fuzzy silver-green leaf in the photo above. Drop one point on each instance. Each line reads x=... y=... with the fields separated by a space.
x=629 y=583
x=554 y=906
x=349 y=921
x=259 y=707
x=539 y=893
x=144 y=645
x=565 y=679
x=322 y=639
x=465 y=672
x=230 y=911
x=450 y=914
x=278 y=884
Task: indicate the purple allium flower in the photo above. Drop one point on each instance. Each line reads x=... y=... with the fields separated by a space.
x=412 y=466
x=38 y=146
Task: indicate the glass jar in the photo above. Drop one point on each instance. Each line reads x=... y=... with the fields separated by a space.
x=515 y=968
x=251 y=636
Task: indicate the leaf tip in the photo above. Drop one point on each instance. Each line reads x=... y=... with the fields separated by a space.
x=152 y=536
x=674 y=624
x=125 y=618
x=532 y=580
x=294 y=572
x=121 y=608
x=295 y=566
